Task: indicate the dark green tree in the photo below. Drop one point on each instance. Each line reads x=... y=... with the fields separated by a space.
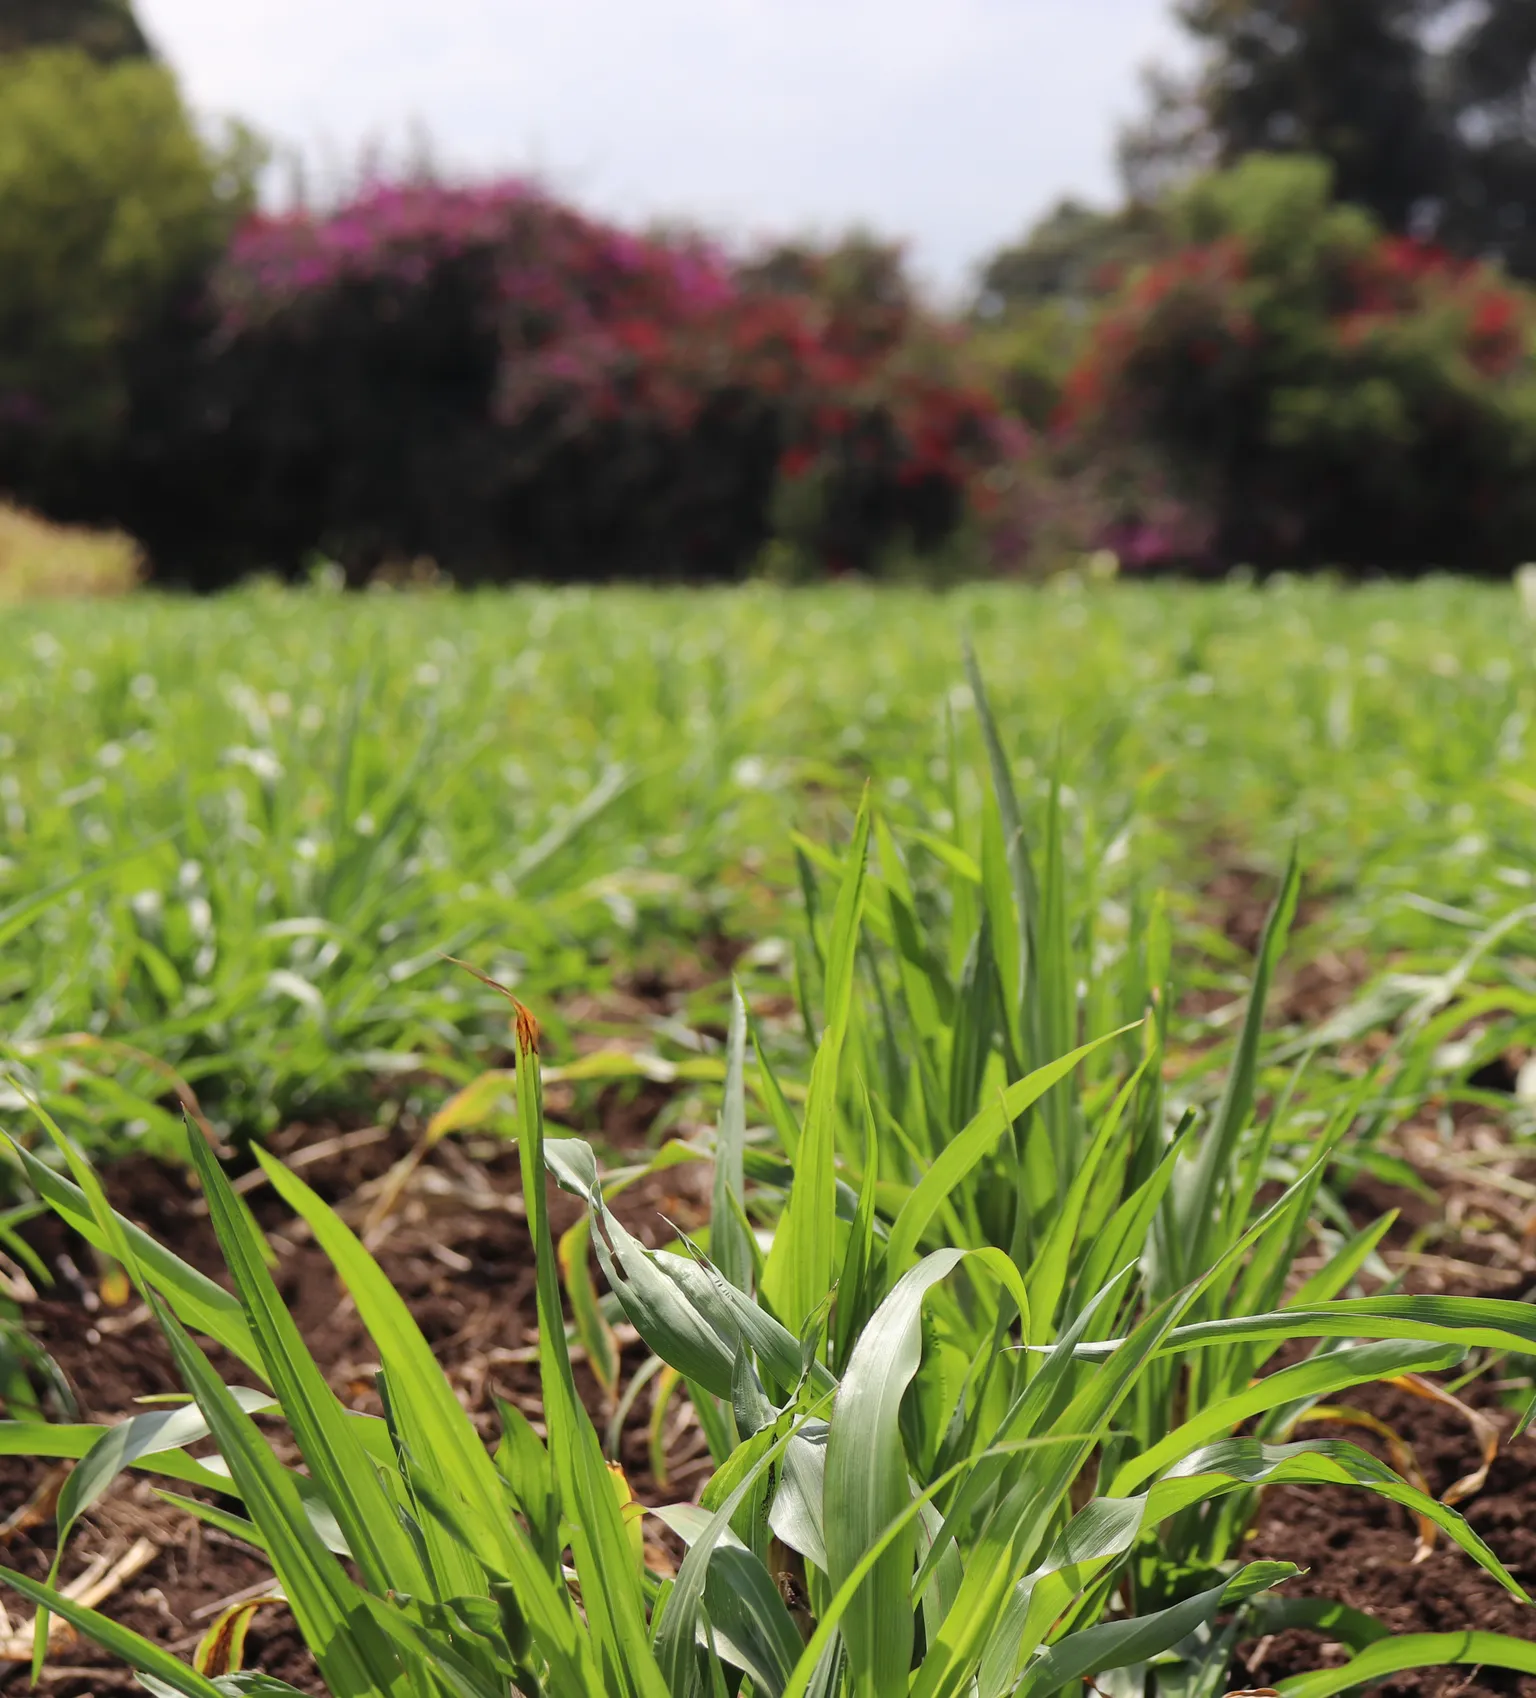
x=1487 y=79
x=1036 y=298
x=1425 y=109
x=1074 y=252
x=112 y=209
x=1343 y=79
x=106 y=29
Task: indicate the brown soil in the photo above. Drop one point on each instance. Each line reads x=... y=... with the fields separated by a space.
x=1361 y=1550
x=456 y=1247
x=1314 y=981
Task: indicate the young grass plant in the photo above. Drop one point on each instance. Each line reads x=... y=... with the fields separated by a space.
x=941 y=1465
x=975 y=1353
x=962 y=1366
x=927 y=1520
x=991 y=1130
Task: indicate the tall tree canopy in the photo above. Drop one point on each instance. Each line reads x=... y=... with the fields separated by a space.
x=106 y=29
x=1489 y=78
x=1426 y=109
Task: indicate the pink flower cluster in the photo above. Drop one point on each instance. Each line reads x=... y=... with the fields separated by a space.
x=547 y=258
x=595 y=324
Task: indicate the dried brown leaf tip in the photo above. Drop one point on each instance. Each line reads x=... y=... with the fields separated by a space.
x=526 y=1025
x=527 y=1029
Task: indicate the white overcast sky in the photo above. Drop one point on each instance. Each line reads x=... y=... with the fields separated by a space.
x=950 y=123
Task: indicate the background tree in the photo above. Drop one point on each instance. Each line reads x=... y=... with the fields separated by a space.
x=1036 y=298
x=1344 y=79
x=1425 y=109
x=112 y=210
x=1488 y=78
x=106 y=29
x=1074 y=252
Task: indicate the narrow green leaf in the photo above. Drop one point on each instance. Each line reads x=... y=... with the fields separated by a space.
x=1117 y=1644
x=141 y=1654
x=729 y=1248
x=327 y=1605
x=1232 y=1464
x=859 y=1261
x=200 y=1303
x=1026 y=895
x=752 y=1629
x=867 y=1485
x=137 y=1440
x=971 y=1146
x=1415 y=1651
x=443 y=1442
x=1215 y=1158
x=329 y=1440
x=610 y=1579
x=1318 y=1376
x=800 y=1265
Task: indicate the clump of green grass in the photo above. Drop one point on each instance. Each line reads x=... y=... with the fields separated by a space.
x=970 y=1338
x=927 y=1505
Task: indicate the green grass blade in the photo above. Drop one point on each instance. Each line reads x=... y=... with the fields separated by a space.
x=1054 y=988
x=1237 y=1464
x=1415 y=1651
x=752 y=1628
x=1318 y=1376
x=356 y=1661
x=328 y=1438
x=729 y=1248
x=1117 y=1644
x=1493 y=1322
x=1220 y=1144
x=867 y=1486
x=444 y=1444
x=1047 y=1277
x=855 y=1282
x=677 y=1629
x=801 y=1263
x=1026 y=895
x=75 y=1440
x=971 y=1146
x=612 y=1596
x=774 y=1100
x=573 y=1252
x=201 y=1304
x=133 y=1441
x=141 y=1654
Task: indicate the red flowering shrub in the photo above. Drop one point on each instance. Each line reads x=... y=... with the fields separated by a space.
x=1326 y=395
x=486 y=377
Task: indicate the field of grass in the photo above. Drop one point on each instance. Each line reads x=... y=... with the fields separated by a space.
x=237 y=836
x=1038 y=1236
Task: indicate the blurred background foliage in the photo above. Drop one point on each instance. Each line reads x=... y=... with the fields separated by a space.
x=106 y=29
x=1303 y=340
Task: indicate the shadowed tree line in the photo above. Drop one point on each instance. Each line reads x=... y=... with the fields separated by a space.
x=1425 y=109
x=106 y=29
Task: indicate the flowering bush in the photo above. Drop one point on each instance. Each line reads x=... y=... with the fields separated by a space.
x=1325 y=394
x=486 y=377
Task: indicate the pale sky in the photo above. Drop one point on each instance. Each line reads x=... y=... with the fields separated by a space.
x=950 y=123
